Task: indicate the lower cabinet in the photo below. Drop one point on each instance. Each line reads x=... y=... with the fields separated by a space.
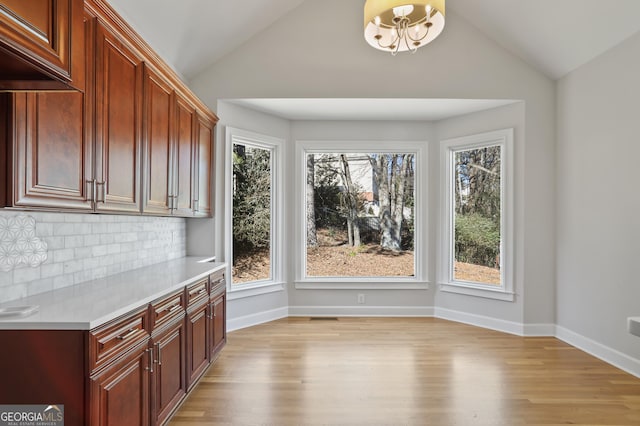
x=120 y=392
x=197 y=329
x=134 y=370
x=168 y=384
x=217 y=309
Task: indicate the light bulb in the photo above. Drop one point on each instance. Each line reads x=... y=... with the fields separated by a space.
x=377 y=21
x=403 y=10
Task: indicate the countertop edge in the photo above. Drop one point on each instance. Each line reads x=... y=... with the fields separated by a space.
x=36 y=322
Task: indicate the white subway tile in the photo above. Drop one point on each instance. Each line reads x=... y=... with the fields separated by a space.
x=73 y=241
x=52 y=270
x=72 y=266
x=63 y=255
x=25 y=274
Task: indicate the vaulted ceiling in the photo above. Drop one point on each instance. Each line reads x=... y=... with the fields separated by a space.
x=554 y=36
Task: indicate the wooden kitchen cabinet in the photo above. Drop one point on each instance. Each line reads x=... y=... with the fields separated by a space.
x=118 y=103
x=197 y=331
x=50 y=157
x=168 y=345
x=135 y=141
x=41 y=45
x=204 y=166
x=120 y=393
x=217 y=315
x=158 y=144
x=120 y=363
x=184 y=161
x=133 y=370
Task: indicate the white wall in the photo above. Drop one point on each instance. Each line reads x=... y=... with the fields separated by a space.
x=299 y=57
x=598 y=230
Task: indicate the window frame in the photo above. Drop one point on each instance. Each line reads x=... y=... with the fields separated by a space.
x=448 y=148
x=274 y=146
x=419 y=280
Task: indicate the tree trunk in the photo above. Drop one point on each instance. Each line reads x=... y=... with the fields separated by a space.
x=351 y=202
x=312 y=237
x=391 y=173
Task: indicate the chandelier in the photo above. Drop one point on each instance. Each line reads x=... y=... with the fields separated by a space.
x=397 y=26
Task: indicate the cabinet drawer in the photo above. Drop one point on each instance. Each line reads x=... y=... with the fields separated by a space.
x=218 y=282
x=197 y=292
x=166 y=309
x=115 y=338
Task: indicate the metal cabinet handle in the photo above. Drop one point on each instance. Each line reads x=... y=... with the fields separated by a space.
x=173 y=308
x=91 y=189
x=159 y=360
x=150 y=367
x=100 y=185
x=128 y=334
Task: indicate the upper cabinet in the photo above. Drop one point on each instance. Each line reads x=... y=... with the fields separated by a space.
x=118 y=108
x=41 y=45
x=158 y=144
x=136 y=140
x=204 y=165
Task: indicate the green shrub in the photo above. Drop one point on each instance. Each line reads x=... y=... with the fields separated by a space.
x=477 y=240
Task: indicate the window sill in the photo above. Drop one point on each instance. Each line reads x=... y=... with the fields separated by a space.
x=477 y=291
x=361 y=284
x=240 y=291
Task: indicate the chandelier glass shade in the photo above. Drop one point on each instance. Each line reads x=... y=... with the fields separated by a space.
x=397 y=26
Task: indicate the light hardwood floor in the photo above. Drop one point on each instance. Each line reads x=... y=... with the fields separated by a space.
x=405 y=371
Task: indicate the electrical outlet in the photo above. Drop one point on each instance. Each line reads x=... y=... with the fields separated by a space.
x=361 y=299
x=634 y=326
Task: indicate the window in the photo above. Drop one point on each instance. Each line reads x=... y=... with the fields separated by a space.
x=361 y=215
x=253 y=210
x=476 y=242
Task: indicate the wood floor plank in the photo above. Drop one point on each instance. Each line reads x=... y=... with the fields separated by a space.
x=405 y=371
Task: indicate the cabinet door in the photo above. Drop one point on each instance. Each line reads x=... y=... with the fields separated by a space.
x=184 y=165
x=158 y=144
x=168 y=379
x=219 y=324
x=41 y=44
x=119 y=396
x=52 y=164
x=204 y=166
x=118 y=96
x=197 y=348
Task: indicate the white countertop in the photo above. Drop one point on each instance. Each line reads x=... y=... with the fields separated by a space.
x=91 y=304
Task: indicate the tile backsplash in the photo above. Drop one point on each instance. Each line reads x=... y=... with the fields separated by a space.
x=82 y=247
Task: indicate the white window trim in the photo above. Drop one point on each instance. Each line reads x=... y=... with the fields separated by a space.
x=275 y=145
x=419 y=281
x=505 y=292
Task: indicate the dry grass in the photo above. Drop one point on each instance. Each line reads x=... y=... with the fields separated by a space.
x=334 y=258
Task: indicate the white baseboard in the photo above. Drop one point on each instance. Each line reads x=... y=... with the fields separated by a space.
x=539 y=330
x=480 y=321
x=605 y=353
x=256 y=319
x=361 y=311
